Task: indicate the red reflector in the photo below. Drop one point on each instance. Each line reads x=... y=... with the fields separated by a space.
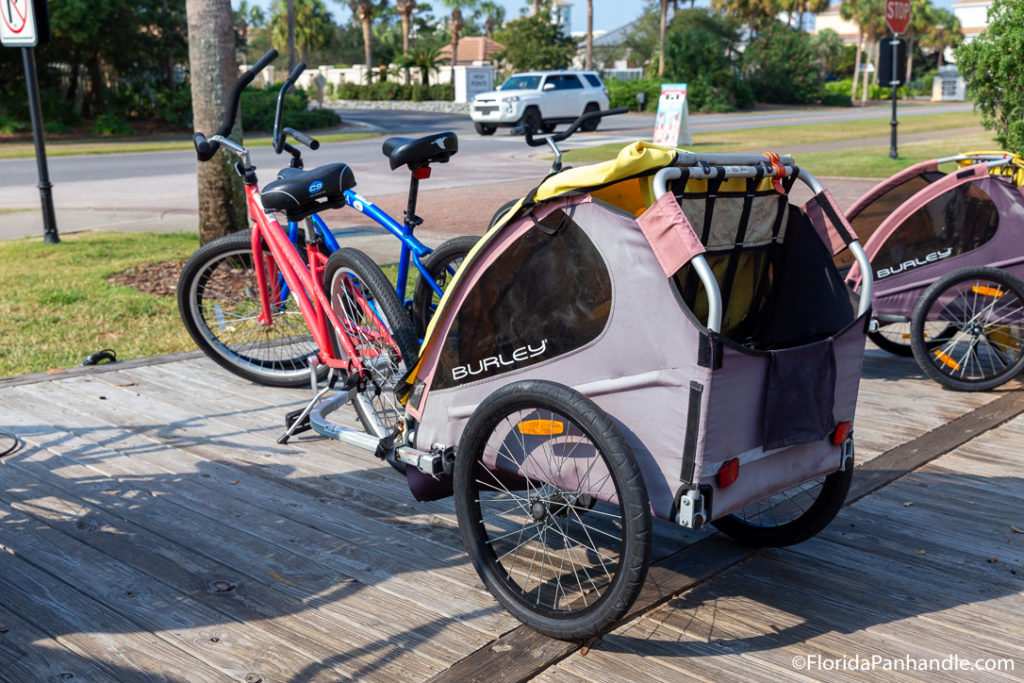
x=842 y=433
x=728 y=472
x=421 y=173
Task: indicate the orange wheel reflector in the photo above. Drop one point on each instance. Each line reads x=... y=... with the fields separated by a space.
x=728 y=473
x=541 y=427
x=906 y=335
x=987 y=291
x=947 y=360
x=842 y=432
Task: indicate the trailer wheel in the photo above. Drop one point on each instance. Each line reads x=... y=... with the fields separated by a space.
x=553 y=509
x=792 y=516
x=982 y=346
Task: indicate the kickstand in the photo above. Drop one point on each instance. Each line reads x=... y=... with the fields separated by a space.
x=297 y=421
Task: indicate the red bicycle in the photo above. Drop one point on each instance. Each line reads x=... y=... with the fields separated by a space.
x=361 y=331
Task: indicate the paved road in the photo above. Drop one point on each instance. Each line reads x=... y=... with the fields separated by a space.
x=156 y=191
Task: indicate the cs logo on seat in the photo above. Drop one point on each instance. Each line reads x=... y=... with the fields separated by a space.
x=316 y=187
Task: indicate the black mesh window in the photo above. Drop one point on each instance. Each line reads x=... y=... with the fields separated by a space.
x=953 y=223
x=546 y=295
x=867 y=221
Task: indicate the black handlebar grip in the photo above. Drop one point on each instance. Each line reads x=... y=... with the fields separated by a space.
x=307 y=140
x=204 y=148
x=228 y=122
x=294 y=75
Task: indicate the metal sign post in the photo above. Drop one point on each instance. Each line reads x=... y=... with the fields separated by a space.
x=897 y=16
x=18 y=28
x=894 y=82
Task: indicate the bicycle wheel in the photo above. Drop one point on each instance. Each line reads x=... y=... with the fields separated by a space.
x=552 y=509
x=441 y=265
x=792 y=516
x=895 y=337
x=983 y=347
x=219 y=302
x=369 y=311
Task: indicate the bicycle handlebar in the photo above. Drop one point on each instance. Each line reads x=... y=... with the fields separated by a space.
x=307 y=140
x=558 y=137
x=206 y=149
x=292 y=77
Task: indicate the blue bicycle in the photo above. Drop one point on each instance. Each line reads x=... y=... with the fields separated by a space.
x=218 y=299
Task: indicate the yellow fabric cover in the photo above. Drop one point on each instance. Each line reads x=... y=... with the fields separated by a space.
x=1015 y=169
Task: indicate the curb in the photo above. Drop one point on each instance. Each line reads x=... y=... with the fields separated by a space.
x=401 y=105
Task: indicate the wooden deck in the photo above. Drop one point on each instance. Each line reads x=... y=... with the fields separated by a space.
x=153 y=529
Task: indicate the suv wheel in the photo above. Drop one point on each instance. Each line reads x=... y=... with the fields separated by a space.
x=590 y=125
x=531 y=119
x=484 y=128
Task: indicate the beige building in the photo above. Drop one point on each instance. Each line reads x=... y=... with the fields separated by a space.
x=831 y=18
x=973 y=16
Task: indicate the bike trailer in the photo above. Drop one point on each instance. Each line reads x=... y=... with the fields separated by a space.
x=689 y=299
x=923 y=223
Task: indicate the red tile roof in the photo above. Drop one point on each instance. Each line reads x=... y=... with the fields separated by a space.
x=473 y=49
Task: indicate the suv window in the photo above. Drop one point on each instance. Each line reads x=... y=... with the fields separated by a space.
x=521 y=83
x=564 y=82
x=593 y=80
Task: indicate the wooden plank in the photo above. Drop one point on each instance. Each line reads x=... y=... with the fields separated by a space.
x=29 y=654
x=375 y=552
x=89 y=370
x=913 y=454
x=82 y=623
x=343 y=631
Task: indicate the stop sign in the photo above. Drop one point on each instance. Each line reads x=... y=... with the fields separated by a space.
x=897 y=15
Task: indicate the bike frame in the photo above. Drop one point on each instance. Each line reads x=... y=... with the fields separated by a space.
x=304 y=284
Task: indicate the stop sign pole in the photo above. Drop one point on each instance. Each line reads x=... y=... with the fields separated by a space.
x=897 y=16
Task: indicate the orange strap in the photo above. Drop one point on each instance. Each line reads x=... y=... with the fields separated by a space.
x=778 y=172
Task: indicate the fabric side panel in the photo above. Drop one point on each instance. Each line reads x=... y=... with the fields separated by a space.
x=670 y=234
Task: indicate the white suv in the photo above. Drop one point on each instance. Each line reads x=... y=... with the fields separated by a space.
x=540 y=100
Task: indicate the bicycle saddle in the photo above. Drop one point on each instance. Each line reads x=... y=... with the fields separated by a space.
x=422 y=151
x=300 y=193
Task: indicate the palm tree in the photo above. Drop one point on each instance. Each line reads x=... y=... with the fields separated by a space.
x=944 y=32
x=493 y=15
x=363 y=10
x=246 y=17
x=313 y=25
x=423 y=56
x=870 y=19
x=456 y=23
x=291 y=35
x=405 y=9
x=663 y=20
x=211 y=54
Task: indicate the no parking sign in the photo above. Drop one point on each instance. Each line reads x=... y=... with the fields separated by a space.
x=18 y=25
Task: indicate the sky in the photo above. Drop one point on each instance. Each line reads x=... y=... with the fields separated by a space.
x=608 y=14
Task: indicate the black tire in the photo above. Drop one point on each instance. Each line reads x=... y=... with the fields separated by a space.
x=351 y=277
x=531 y=119
x=982 y=346
x=485 y=128
x=895 y=337
x=442 y=264
x=792 y=516
x=501 y=212
x=590 y=125
x=219 y=303
x=602 y=550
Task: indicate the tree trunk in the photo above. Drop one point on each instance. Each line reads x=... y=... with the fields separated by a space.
x=856 y=66
x=661 y=38
x=589 y=63
x=368 y=45
x=213 y=69
x=910 y=59
x=535 y=9
x=405 y=42
x=291 y=35
x=455 y=53
x=868 y=59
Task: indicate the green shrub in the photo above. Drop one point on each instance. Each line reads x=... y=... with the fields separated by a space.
x=174 y=106
x=837 y=100
x=780 y=63
x=56 y=127
x=259 y=106
x=389 y=90
x=111 y=124
x=9 y=126
x=623 y=93
x=699 y=52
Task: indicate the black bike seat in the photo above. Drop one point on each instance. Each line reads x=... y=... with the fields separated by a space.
x=417 y=152
x=300 y=193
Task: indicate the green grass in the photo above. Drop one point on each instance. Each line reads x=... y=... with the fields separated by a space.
x=60 y=308
x=874 y=162
x=780 y=137
x=20 y=150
